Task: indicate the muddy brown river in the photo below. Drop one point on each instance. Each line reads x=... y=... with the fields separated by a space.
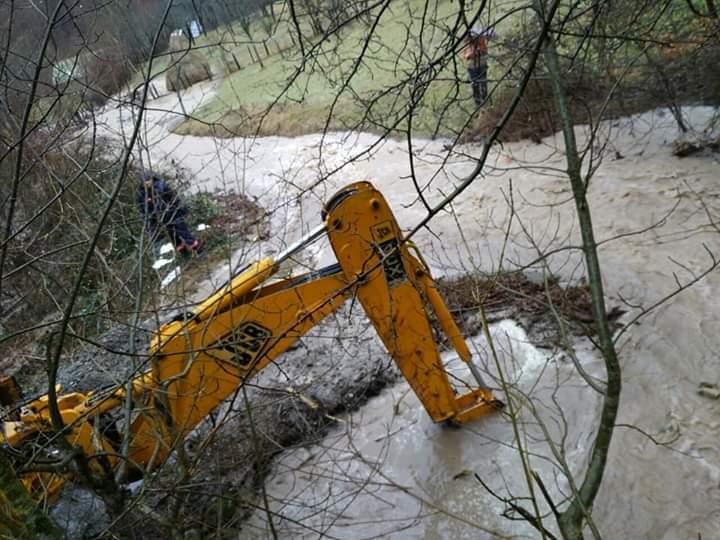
x=386 y=470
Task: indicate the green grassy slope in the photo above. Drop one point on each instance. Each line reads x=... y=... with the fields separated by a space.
x=411 y=58
x=304 y=106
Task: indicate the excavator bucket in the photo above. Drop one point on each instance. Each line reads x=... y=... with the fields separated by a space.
x=398 y=294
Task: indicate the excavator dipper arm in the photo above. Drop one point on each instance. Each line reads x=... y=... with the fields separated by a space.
x=202 y=357
x=398 y=294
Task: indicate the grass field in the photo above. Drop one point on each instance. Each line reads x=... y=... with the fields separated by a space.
x=304 y=106
x=411 y=57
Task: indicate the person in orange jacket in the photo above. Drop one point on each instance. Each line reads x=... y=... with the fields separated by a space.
x=475 y=54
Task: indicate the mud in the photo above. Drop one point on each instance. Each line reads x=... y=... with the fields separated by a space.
x=336 y=368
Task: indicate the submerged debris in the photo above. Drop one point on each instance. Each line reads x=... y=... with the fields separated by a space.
x=541 y=305
x=688 y=145
x=709 y=390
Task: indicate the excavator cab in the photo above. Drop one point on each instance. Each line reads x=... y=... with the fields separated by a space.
x=201 y=357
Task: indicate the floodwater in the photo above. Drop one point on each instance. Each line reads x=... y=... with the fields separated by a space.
x=386 y=470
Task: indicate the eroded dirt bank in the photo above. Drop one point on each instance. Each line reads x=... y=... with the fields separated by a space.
x=654 y=216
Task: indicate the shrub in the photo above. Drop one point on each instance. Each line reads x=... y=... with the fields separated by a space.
x=56 y=216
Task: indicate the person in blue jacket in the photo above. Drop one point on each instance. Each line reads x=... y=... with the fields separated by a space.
x=160 y=207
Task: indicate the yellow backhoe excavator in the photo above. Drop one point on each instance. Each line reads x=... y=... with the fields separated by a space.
x=203 y=356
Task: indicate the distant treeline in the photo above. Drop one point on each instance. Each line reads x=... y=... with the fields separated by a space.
x=115 y=32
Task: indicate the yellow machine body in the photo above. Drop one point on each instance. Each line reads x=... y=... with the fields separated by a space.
x=196 y=362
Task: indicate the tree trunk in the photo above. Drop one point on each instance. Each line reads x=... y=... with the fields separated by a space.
x=577 y=514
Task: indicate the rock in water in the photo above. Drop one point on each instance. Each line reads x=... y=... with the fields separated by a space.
x=80 y=513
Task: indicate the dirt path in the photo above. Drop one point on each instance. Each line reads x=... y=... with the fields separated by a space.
x=649 y=491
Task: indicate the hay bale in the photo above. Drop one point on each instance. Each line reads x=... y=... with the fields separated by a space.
x=178 y=42
x=186 y=69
